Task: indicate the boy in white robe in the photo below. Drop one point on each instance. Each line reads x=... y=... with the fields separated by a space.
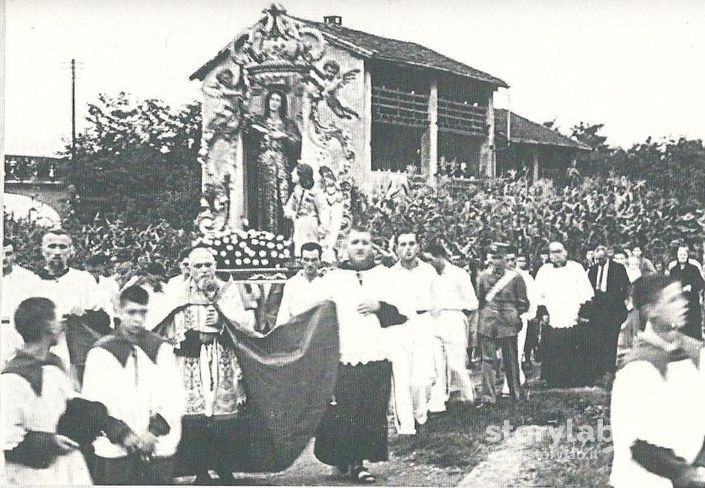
x=658 y=397
x=35 y=391
x=134 y=374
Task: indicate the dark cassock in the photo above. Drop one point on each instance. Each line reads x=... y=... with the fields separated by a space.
x=611 y=285
x=355 y=427
x=692 y=282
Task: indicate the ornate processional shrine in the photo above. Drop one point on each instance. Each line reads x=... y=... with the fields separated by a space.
x=279 y=94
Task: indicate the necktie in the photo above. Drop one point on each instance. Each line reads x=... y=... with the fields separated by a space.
x=598 y=282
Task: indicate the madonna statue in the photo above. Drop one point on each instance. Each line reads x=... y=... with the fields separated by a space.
x=279 y=144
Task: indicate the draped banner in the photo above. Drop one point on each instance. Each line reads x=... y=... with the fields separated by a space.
x=290 y=375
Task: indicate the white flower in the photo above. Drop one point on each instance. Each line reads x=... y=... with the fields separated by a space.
x=246 y=261
x=226 y=240
x=217 y=243
x=214 y=252
x=265 y=262
x=263 y=254
x=242 y=245
x=255 y=262
x=238 y=254
x=242 y=234
x=274 y=254
x=255 y=242
x=229 y=247
x=226 y=262
x=238 y=262
x=270 y=245
x=251 y=253
x=280 y=246
x=280 y=238
x=223 y=253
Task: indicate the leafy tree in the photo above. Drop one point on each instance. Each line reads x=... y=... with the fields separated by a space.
x=138 y=162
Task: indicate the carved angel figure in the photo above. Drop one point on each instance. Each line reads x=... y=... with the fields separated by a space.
x=327 y=83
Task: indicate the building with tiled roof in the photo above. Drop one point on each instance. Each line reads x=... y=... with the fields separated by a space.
x=521 y=143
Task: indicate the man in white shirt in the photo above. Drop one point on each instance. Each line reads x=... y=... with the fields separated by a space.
x=411 y=344
x=299 y=293
x=18 y=283
x=658 y=396
x=453 y=297
x=134 y=374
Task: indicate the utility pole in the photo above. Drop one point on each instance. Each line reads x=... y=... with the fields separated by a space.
x=73 y=109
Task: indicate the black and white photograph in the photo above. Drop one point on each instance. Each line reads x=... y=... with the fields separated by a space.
x=334 y=243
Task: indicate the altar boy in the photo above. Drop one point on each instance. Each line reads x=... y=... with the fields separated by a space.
x=133 y=373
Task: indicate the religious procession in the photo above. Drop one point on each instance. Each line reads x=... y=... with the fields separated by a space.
x=344 y=265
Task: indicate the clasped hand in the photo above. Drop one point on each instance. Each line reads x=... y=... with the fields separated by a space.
x=143 y=445
x=367 y=307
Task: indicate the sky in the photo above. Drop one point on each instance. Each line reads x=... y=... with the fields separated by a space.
x=634 y=65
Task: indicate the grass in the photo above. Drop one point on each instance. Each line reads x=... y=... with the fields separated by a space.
x=459 y=438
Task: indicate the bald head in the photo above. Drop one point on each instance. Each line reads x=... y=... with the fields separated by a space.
x=201 y=264
x=557 y=253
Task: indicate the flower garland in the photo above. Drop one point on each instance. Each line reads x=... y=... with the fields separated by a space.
x=240 y=249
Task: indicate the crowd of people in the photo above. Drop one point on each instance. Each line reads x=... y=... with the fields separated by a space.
x=123 y=377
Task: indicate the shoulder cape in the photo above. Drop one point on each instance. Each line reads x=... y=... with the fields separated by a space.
x=30 y=368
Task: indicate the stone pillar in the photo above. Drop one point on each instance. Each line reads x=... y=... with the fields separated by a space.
x=535 y=163
x=432 y=167
x=238 y=188
x=489 y=147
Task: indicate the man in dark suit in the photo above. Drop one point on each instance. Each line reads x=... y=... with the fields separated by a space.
x=611 y=284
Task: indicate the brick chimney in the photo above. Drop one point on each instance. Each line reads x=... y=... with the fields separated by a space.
x=333 y=20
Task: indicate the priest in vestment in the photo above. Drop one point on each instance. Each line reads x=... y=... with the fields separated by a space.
x=563 y=288
x=244 y=389
x=195 y=325
x=78 y=302
x=355 y=429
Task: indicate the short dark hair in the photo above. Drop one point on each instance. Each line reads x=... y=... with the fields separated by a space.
x=437 y=251
x=305 y=173
x=96 y=260
x=647 y=289
x=359 y=227
x=312 y=246
x=32 y=317
x=404 y=231
x=134 y=293
x=155 y=268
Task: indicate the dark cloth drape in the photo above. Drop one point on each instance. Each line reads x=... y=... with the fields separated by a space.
x=289 y=374
x=355 y=426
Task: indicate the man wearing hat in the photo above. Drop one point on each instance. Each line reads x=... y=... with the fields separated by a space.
x=502 y=296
